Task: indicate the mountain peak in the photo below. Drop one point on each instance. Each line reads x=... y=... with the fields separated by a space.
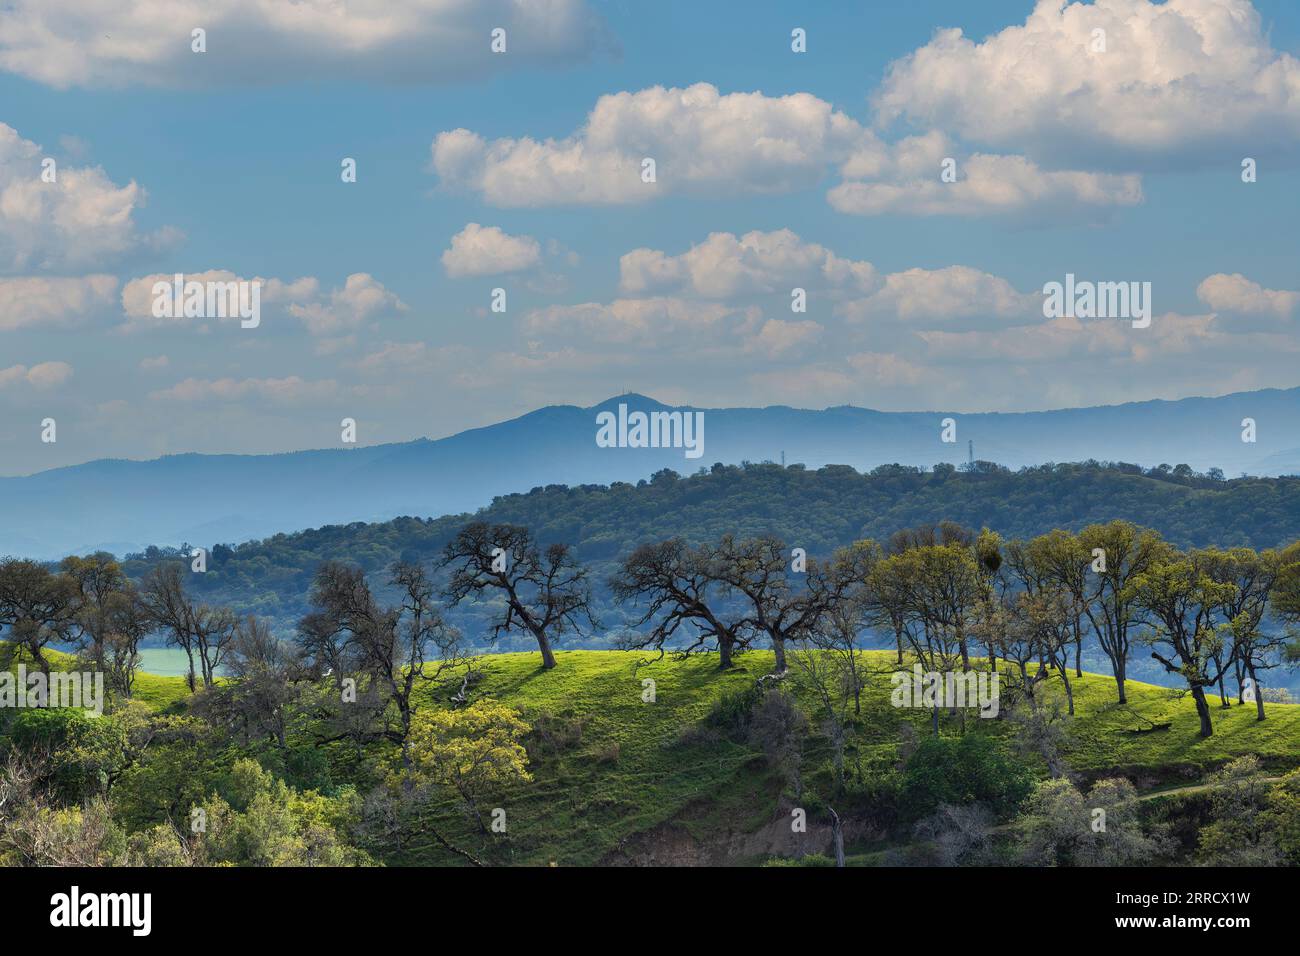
x=630 y=399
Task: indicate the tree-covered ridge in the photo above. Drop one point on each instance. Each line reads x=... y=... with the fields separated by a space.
x=816 y=510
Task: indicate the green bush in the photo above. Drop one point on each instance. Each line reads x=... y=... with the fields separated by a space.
x=961 y=771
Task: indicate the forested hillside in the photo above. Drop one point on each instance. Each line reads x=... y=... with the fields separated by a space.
x=815 y=510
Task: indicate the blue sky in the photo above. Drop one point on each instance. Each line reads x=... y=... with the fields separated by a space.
x=1114 y=165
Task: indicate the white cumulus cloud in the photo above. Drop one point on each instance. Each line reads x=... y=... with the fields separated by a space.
x=82 y=220
x=707 y=143
x=1248 y=304
x=486 y=250
x=725 y=265
x=906 y=179
x=31 y=301
x=700 y=139
x=1181 y=80
x=148 y=42
x=361 y=299
x=947 y=298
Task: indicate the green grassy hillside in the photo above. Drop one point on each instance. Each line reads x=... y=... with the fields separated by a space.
x=616 y=779
x=635 y=766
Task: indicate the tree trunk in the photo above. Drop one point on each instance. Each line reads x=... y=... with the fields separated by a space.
x=837 y=831
x=544 y=645
x=1119 y=681
x=539 y=632
x=724 y=653
x=405 y=710
x=778 y=648
x=1069 y=691
x=1203 y=710
x=1028 y=685
x=1223 y=693
x=1258 y=691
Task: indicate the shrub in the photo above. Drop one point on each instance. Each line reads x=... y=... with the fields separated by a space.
x=962 y=771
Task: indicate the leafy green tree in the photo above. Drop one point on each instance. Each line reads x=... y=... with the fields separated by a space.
x=1039 y=625
x=182 y=763
x=962 y=771
x=36 y=606
x=1108 y=603
x=1285 y=597
x=1182 y=599
x=945 y=593
x=936 y=592
x=35 y=833
x=470 y=750
x=1063 y=827
x=1058 y=561
x=127 y=622
x=1252 y=646
x=1283 y=816
x=77 y=756
x=1241 y=831
x=258 y=821
x=95 y=579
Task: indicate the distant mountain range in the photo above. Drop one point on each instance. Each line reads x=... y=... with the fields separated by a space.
x=122 y=506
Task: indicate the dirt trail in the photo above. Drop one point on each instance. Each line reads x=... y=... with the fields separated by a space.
x=1193 y=788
